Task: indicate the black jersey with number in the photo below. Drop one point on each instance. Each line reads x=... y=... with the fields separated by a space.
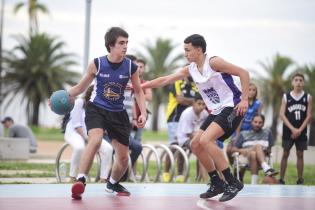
x=295 y=111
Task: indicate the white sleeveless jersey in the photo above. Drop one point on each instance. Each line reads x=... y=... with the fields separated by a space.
x=217 y=89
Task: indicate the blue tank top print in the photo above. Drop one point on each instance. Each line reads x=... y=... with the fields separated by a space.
x=251 y=111
x=110 y=84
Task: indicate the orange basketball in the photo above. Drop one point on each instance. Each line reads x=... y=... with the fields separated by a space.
x=269 y=180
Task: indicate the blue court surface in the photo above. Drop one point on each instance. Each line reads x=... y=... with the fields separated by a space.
x=154 y=197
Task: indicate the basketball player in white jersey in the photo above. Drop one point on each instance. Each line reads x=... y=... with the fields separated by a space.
x=213 y=77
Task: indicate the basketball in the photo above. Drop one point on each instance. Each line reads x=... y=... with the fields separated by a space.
x=269 y=180
x=60 y=102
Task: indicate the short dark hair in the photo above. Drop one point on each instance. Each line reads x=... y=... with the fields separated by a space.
x=7 y=119
x=131 y=57
x=259 y=115
x=140 y=60
x=197 y=40
x=197 y=97
x=111 y=36
x=298 y=75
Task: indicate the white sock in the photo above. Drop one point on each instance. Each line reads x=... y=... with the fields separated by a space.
x=265 y=166
x=254 y=179
x=82 y=175
x=113 y=181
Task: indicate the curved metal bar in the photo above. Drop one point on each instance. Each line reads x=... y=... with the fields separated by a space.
x=167 y=150
x=57 y=163
x=186 y=160
x=152 y=150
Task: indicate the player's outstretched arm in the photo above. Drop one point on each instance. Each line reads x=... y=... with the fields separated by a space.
x=166 y=80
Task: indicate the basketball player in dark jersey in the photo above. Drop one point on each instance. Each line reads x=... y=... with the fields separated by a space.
x=296 y=113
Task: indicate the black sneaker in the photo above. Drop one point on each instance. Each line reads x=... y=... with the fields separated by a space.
x=78 y=188
x=281 y=181
x=271 y=172
x=118 y=188
x=231 y=190
x=214 y=189
x=300 y=181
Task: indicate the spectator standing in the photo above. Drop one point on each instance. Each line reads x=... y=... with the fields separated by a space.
x=296 y=113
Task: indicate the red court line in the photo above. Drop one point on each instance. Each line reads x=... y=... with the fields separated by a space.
x=156 y=203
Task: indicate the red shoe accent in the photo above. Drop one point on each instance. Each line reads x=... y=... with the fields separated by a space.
x=77 y=190
x=123 y=194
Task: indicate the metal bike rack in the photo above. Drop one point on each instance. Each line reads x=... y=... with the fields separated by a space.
x=166 y=150
x=152 y=150
x=143 y=174
x=182 y=152
x=57 y=163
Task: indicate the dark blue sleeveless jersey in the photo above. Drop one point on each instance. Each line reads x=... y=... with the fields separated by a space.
x=110 y=83
x=251 y=111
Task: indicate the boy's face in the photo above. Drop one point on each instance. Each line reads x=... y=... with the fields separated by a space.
x=191 y=52
x=140 y=68
x=120 y=47
x=257 y=123
x=298 y=83
x=199 y=106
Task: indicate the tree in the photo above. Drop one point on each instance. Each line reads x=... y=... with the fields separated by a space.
x=309 y=71
x=33 y=7
x=160 y=61
x=274 y=85
x=35 y=68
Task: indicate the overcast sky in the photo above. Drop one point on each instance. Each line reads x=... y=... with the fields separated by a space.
x=242 y=32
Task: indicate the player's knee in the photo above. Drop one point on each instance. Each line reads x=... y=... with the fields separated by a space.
x=299 y=154
x=123 y=160
x=195 y=147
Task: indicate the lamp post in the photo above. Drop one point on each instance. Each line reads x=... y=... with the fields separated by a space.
x=1 y=37
x=87 y=34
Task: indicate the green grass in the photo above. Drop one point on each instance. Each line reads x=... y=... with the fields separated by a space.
x=54 y=134
x=48 y=170
x=291 y=174
x=48 y=134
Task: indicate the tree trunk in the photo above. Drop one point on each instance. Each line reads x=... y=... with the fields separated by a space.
x=35 y=116
x=274 y=125
x=312 y=133
x=155 y=112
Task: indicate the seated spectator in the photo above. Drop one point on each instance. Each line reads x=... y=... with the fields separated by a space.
x=20 y=131
x=255 y=144
x=255 y=107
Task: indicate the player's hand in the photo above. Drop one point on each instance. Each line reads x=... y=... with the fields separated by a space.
x=295 y=133
x=241 y=108
x=142 y=119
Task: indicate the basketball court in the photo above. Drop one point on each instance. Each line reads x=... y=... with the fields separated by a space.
x=154 y=197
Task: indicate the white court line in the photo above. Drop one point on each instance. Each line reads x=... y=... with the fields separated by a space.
x=202 y=203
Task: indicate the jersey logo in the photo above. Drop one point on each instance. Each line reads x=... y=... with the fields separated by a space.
x=104 y=75
x=123 y=77
x=212 y=95
x=112 y=91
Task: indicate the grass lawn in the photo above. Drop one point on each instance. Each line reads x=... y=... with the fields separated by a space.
x=11 y=169
x=54 y=134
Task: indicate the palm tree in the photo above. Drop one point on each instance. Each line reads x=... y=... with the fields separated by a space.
x=36 y=67
x=160 y=61
x=274 y=85
x=309 y=71
x=34 y=7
